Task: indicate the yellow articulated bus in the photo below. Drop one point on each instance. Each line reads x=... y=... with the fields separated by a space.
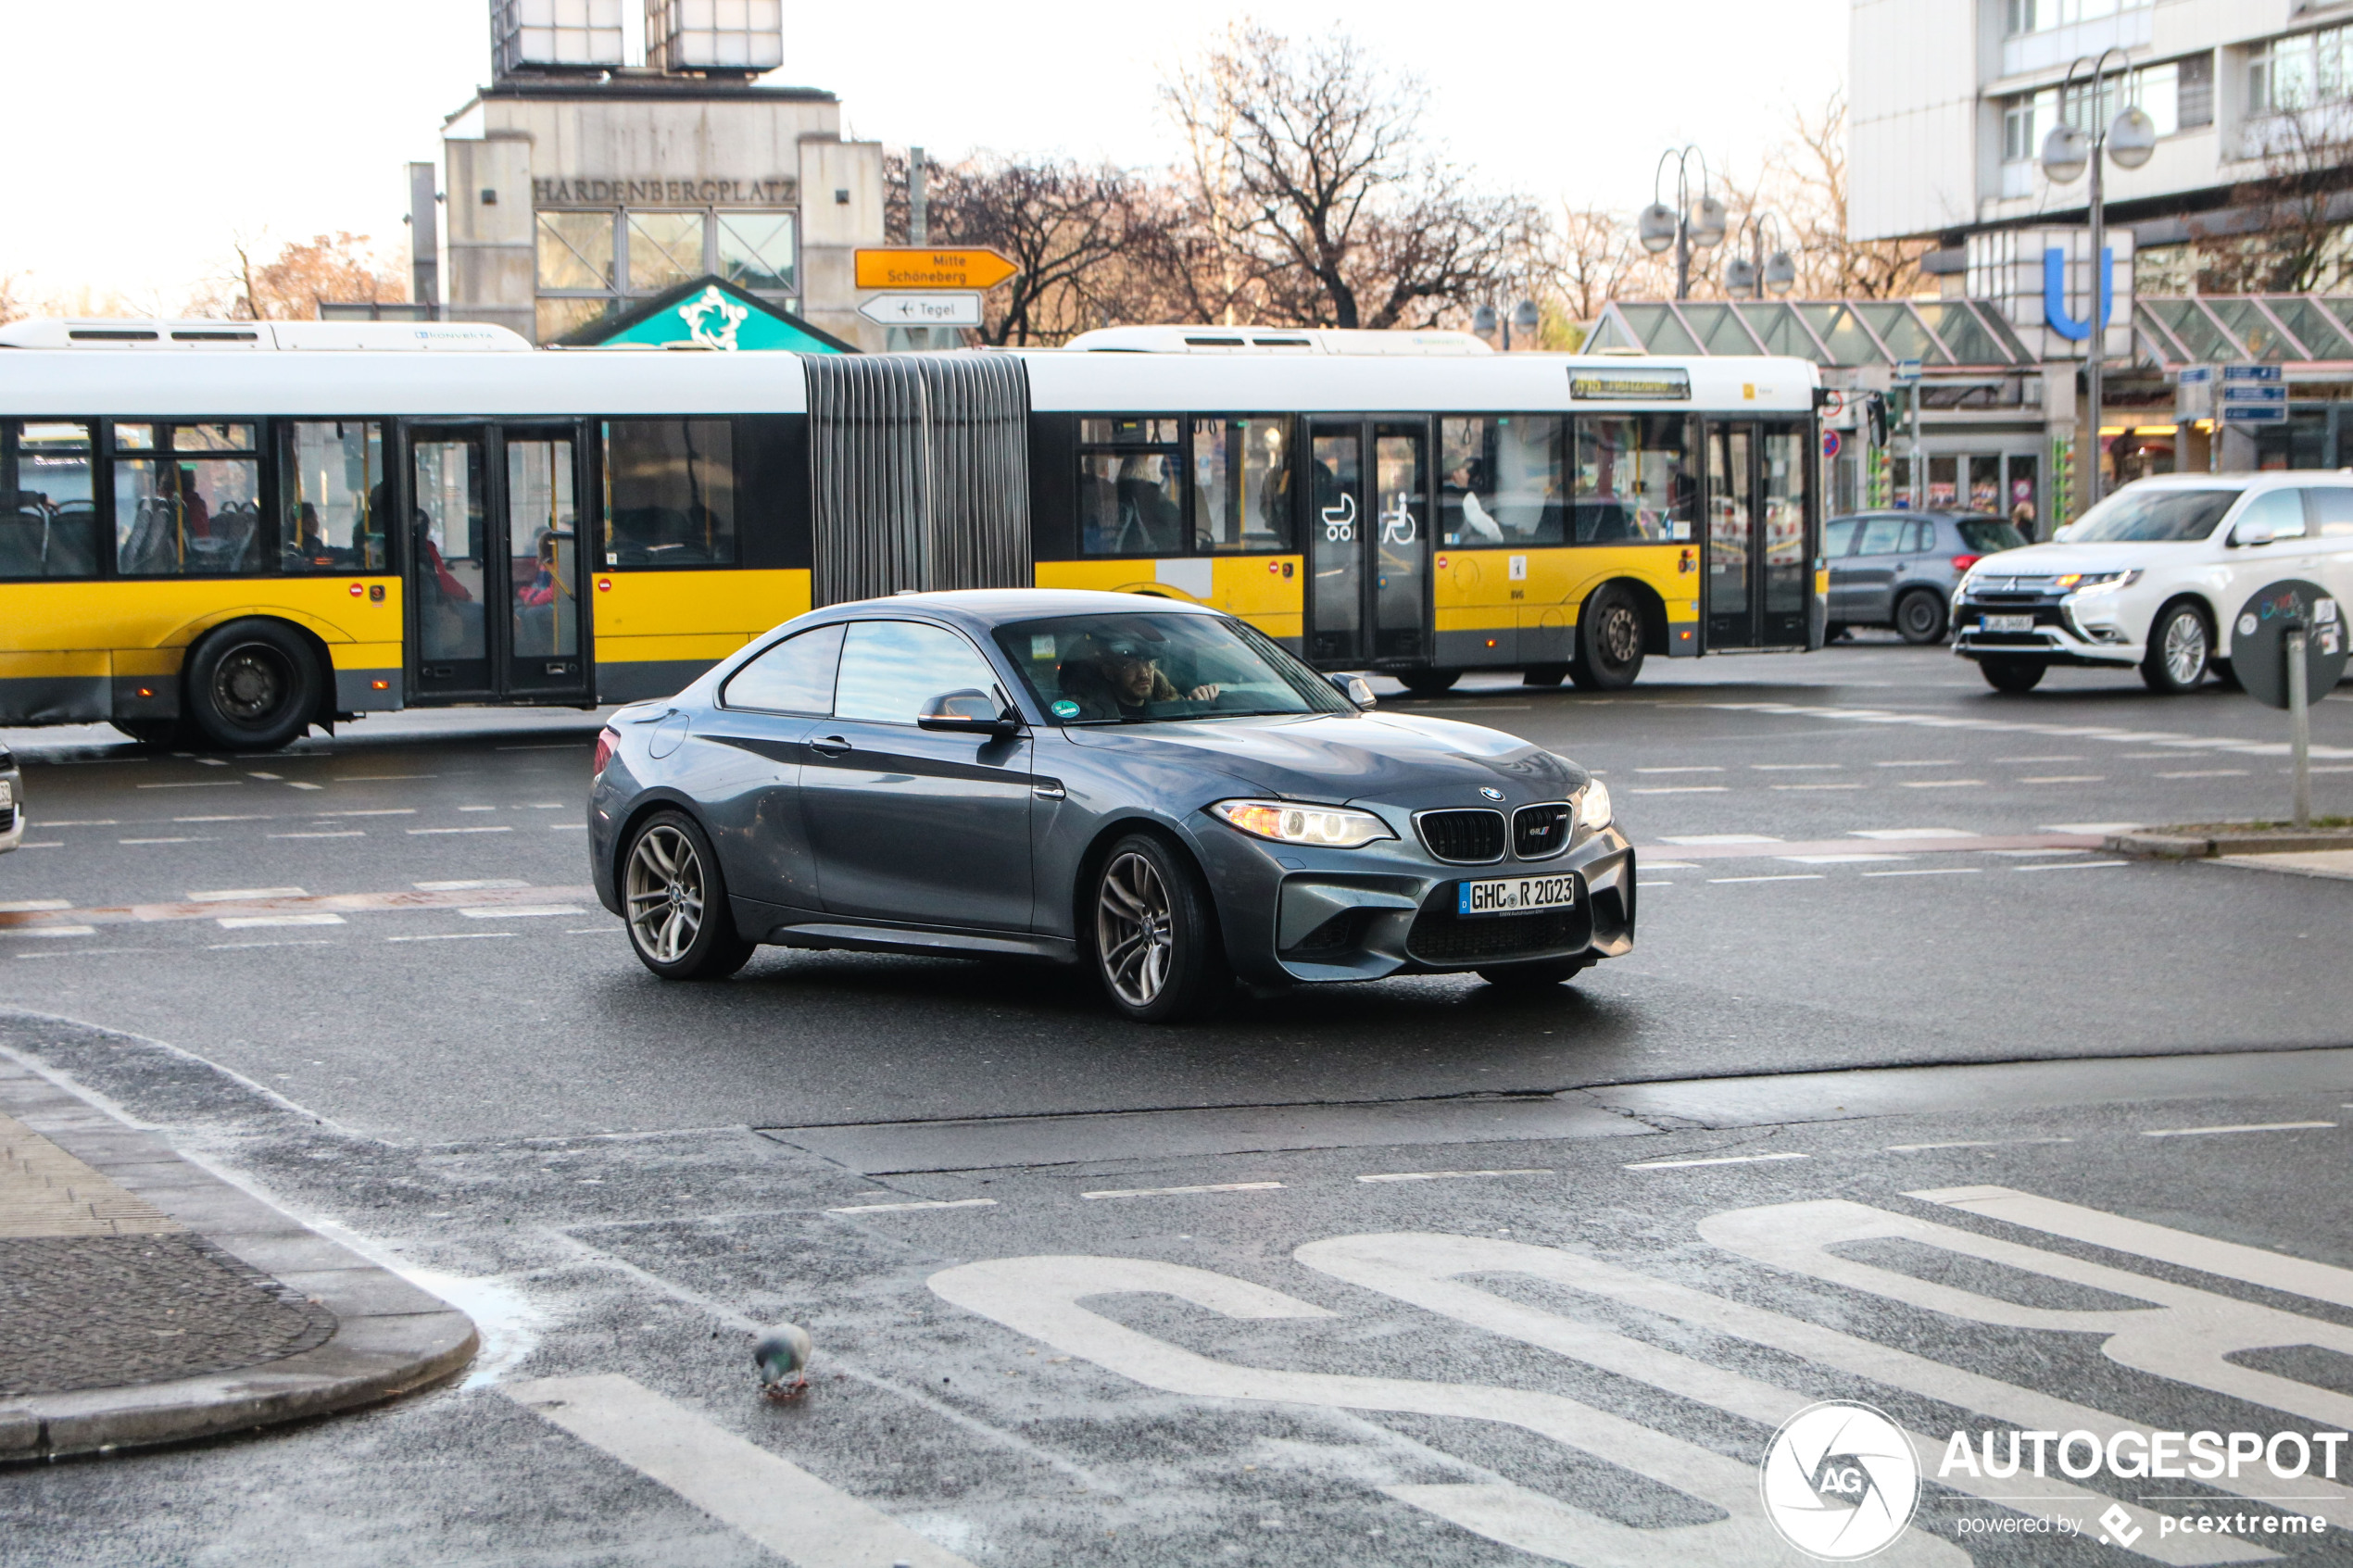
x=1413 y=504
x=221 y=534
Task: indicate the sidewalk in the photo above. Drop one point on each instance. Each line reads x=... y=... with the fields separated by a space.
x=145 y=1300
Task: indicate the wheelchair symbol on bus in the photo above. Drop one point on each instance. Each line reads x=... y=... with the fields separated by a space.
x=1397 y=527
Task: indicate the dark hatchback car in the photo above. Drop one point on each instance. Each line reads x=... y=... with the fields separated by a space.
x=1900 y=569
x=1152 y=789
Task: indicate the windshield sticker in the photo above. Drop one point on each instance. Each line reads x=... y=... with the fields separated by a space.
x=1067 y=709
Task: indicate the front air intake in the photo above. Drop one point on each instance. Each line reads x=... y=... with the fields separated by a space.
x=1464 y=838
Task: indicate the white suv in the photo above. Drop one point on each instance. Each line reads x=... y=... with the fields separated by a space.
x=2153 y=575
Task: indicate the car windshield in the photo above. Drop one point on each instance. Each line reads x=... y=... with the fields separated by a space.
x=2153 y=516
x=1106 y=669
x=1987 y=535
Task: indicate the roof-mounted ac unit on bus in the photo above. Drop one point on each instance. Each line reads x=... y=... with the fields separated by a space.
x=1274 y=340
x=715 y=35
x=114 y=332
x=557 y=36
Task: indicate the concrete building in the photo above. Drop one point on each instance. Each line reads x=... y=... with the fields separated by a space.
x=578 y=185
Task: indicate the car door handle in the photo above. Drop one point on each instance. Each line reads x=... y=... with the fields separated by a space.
x=1049 y=789
x=829 y=746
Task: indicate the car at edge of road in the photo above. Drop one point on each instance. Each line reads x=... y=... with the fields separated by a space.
x=11 y=802
x=2152 y=576
x=1149 y=788
x=1899 y=568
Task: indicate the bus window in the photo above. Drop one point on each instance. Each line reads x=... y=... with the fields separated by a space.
x=1634 y=481
x=48 y=520
x=189 y=504
x=1500 y=479
x=331 y=493
x=670 y=493
x=1130 y=488
x=1241 y=485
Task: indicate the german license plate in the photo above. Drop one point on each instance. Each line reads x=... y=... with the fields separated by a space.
x=2006 y=624
x=7 y=795
x=1515 y=895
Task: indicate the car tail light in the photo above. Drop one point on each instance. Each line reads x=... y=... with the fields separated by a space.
x=606 y=743
x=1962 y=563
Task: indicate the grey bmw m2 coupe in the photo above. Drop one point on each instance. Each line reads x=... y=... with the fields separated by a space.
x=1149 y=788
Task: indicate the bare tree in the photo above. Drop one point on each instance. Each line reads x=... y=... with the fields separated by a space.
x=14 y=304
x=2287 y=237
x=287 y=286
x=1806 y=182
x=1335 y=210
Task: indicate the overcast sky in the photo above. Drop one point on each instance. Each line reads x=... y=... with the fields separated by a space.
x=146 y=133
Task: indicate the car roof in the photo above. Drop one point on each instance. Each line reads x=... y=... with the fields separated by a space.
x=2258 y=478
x=984 y=608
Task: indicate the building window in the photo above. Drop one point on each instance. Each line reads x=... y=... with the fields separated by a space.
x=2287 y=74
x=2022 y=17
x=594 y=263
x=2195 y=89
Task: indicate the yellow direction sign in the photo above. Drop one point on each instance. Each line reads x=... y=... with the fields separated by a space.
x=931 y=266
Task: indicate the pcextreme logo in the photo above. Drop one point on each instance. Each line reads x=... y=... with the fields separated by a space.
x=1840 y=1481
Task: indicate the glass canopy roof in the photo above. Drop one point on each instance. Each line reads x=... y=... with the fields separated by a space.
x=1969 y=334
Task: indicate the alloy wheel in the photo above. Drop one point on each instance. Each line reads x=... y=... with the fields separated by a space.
x=250 y=684
x=665 y=893
x=2185 y=647
x=1133 y=929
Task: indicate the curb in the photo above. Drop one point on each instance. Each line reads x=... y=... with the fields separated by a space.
x=2180 y=847
x=390 y=1337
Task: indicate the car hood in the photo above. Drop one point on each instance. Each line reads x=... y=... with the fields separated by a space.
x=2051 y=560
x=1399 y=759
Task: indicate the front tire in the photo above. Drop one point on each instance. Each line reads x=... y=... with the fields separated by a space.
x=1427 y=683
x=2007 y=672
x=674 y=901
x=252 y=685
x=1534 y=977
x=2180 y=645
x=1609 y=641
x=1154 y=934
x=1919 y=617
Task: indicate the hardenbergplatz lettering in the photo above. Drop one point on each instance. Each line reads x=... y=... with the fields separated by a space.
x=777 y=190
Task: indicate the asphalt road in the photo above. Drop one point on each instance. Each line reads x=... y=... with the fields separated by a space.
x=619 y=1178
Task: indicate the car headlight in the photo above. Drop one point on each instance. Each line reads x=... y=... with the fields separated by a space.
x=2081 y=582
x=1592 y=806
x=1325 y=827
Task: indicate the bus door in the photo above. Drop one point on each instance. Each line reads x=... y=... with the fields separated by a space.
x=495 y=564
x=1757 y=576
x=1369 y=542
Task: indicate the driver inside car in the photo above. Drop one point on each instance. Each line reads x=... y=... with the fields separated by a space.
x=1120 y=681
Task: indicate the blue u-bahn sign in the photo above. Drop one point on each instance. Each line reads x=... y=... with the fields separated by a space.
x=2055 y=312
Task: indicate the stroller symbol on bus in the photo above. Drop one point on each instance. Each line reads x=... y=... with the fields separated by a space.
x=1339 y=522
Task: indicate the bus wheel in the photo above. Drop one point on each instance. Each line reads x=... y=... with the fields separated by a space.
x=252 y=686
x=1609 y=641
x=1427 y=683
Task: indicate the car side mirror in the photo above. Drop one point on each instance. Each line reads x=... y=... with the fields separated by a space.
x=968 y=713
x=2252 y=533
x=1355 y=689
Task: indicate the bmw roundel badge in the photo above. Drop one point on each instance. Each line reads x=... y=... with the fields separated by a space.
x=1490 y=792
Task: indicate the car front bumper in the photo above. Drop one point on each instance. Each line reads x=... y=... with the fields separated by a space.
x=1294 y=914
x=2066 y=631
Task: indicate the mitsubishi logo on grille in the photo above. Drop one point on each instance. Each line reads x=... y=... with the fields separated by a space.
x=1490 y=792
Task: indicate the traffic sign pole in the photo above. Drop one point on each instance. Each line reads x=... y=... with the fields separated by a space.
x=2299 y=720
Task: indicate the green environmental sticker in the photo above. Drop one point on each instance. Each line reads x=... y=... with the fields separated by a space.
x=1065 y=708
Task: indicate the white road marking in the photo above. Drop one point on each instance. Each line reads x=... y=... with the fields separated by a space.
x=2066 y=778
x=2235 y=1127
x=347 y=833
x=759 y=1494
x=1447 y=1176
x=86 y=953
x=545 y=805
x=420 y=833
x=379 y=811
x=248 y=817
x=1934 y=871
x=1723 y=1160
x=2209 y=773
x=521 y=911
x=50 y=930
x=1174 y=1192
x=2071 y=866
x=1678 y=770
x=1681 y=789
x=204 y=761
x=246 y=922
x=1914 y=833
x=84 y=822
x=166 y=841
x=1818 y=786
x=567 y=827
x=1941 y=784
x=903 y=1208
x=2109 y=734
x=469 y=886
x=1861 y=859
x=298 y=783
x=1788 y=876
x=1933 y=762
x=34 y=906
x=202 y=783
x=454 y=936
x=1975 y=1143
x=377 y=778
x=297 y=942
x=1797 y=767
x=1670 y=865
x=477 y=808
x=272 y=777
x=2089 y=827
x=2035 y=854
x=1722 y=838
x=2030 y=761
x=244 y=895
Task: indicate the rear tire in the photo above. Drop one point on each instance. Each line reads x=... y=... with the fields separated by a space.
x=674 y=902
x=2180 y=645
x=1919 y=617
x=252 y=685
x=2007 y=672
x=1544 y=674
x=1609 y=641
x=1151 y=929
x=1534 y=977
x=1427 y=683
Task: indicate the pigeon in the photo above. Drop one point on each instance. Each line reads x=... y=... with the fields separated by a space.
x=782 y=1355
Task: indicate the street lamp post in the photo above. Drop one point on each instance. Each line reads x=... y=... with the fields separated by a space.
x=1682 y=227
x=1485 y=321
x=2067 y=154
x=1752 y=276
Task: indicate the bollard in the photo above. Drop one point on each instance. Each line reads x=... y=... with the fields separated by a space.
x=2299 y=719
